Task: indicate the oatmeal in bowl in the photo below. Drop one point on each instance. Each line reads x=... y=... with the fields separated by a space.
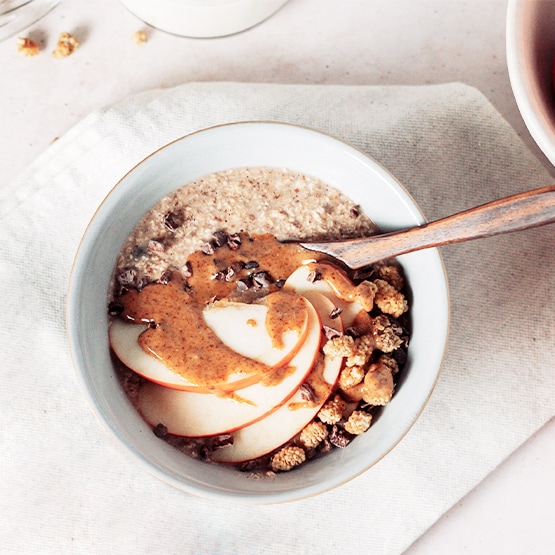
x=234 y=362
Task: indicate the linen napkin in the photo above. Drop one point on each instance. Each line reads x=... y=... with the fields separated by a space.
x=65 y=488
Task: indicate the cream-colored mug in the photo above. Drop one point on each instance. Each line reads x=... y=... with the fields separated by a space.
x=203 y=18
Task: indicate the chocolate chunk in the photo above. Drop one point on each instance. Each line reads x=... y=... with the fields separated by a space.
x=160 y=430
x=234 y=241
x=220 y=238
x=115 y=308
x=174 y=220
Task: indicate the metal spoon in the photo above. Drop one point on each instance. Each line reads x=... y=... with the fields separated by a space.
x=514 y=213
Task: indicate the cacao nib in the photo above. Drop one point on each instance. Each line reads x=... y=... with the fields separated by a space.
x=237 y=266
x=251 y=265
x=218 y=276
x=223 y=440
x=314 y=276
x=262 y=279
x=234 y=241
x=220 y=238
x=160 y=430
x=115 y=308
x=353 y=332
x=174 y=220
x=338 y=437
x=165 y=278
x=243 y=284
x=187 y=270
x=335 y=312
x=307 y=392
x=142 y=282
x=354 y=212
x=279 y=283
x=330 y=333
x=208 y=248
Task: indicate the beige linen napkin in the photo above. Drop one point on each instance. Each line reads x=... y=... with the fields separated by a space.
x=65 y=488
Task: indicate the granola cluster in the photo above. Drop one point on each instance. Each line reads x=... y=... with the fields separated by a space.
x=373 y=351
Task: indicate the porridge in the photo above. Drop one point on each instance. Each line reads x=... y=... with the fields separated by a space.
x=239 y=347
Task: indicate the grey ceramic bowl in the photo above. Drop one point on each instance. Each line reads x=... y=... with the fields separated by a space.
x=235 y=145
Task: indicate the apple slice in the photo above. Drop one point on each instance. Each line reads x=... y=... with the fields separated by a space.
x=241 y=328
x=280 y=426
x=200 y=414
x=299 y=281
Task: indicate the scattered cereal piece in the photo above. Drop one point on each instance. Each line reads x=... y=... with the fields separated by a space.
x=364 y=347
x=351 y=376
x=358 y=422
x=287 y=458
x=389 y=300
x=139 y=37
x=67 y=44
x=332 y=411
x=27 y=46
x=313 y=434
x=378 y=384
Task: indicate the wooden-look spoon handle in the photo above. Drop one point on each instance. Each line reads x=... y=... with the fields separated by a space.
x=522 y=211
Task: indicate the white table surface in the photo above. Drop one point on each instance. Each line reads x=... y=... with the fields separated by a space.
x=366 y=42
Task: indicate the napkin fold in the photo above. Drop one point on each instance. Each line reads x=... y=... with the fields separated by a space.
x=64 y=487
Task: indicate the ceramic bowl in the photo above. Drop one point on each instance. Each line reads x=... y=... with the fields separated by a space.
x=530 y=38
x=236 y=145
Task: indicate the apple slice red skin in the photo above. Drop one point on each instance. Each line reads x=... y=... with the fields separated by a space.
x=123 y=338
x=193 y=414
x=298 y=281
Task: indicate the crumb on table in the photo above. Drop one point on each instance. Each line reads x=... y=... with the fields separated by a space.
x=66 y=45
x=27 y=46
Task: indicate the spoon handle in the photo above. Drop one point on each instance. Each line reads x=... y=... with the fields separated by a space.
x=522 y=211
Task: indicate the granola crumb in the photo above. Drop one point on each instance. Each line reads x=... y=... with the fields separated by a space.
x=67 y=44
x=288 y=458
x=366 y=294
x=313 y=434
x=27 y=46
x=139 y=37
x=384 y=334
x=332 y=411
x=358 y=422
x=389 y=300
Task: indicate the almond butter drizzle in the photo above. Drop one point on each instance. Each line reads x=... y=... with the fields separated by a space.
x=178 y=334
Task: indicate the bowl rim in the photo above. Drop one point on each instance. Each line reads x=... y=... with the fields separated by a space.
x=137 y=457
